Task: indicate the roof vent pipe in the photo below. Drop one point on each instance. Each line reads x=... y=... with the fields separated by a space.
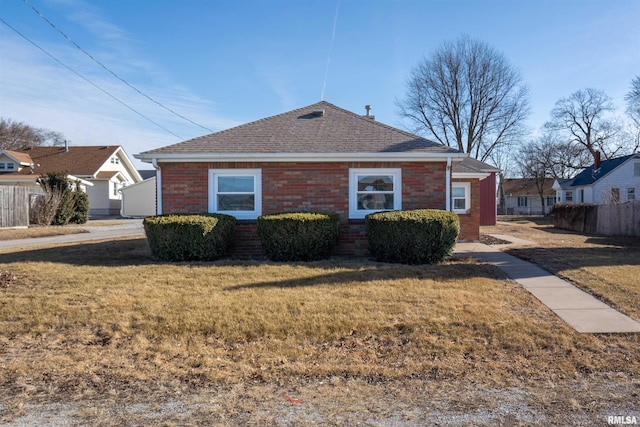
x=66 y=145
x=368 y=108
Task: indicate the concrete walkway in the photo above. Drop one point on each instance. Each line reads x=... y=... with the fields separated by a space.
x=580 y=310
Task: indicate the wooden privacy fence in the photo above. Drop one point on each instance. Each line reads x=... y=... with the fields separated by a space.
x=619 y=219
x=610 y=220
x=14 y=206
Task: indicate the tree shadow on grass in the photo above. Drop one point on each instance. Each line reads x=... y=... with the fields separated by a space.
x=362 y=270
x=130 y=252
x=121 y=252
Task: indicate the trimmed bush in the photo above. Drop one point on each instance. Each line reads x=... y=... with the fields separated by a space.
x=421 y=236
x=188 y=237
x=298 y=236
x=81 y=207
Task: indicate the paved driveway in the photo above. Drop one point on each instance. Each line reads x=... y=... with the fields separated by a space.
x=96 y=230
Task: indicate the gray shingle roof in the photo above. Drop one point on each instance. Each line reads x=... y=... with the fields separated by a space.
x=471 y=165
x=306 y=130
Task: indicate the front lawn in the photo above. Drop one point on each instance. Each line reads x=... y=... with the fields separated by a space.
x=93 y=323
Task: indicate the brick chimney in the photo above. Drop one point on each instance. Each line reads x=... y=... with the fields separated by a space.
x=596 y=161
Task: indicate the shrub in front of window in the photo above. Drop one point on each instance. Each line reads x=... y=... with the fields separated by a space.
x=298 y=236
x=421 y=236
x=190 y=237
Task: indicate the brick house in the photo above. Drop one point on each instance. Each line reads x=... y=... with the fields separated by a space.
x=316 y=158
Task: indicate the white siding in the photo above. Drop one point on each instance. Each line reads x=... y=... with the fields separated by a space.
x=622 y=177
x=139 y=199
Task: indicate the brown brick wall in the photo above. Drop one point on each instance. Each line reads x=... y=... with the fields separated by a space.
x=470 y=222
x=310 y=186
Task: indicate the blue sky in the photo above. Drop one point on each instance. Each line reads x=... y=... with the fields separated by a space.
x=221 y=63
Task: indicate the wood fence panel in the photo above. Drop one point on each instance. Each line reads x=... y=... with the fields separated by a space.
x=619 y=219
x=14 y=206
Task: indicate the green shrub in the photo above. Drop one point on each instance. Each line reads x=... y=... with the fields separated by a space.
x=187 y=237
x=80 y=207
x=298 y=236
x=58 y=187
x=421 y=236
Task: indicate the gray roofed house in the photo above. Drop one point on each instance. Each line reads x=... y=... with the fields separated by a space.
x=320 y=158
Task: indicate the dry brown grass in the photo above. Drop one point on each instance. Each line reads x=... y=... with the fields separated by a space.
x=33 y=232
x=607 y=267
x=102 y=322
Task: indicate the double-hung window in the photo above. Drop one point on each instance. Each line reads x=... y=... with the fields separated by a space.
x=372 y=190
x=236 y=192
x=461 y=197
x=631 y=193
x=523 y=201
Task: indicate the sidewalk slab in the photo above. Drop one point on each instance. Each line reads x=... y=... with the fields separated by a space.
x=580 y=310
x=598 y=321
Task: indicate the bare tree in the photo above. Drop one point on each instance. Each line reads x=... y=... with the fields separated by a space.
x=586 y=121
x=633 y=111
x=467 y=96
x=535 y=161
x=17 y=135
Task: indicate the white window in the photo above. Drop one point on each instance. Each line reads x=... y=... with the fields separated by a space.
x=115 y=161
x=11 y=166
x=461 y=196
x=236 y=192
x=569 y=196
x=372 y=190
x=115 y=189
x=550 y=201
x=636 y=169
x=631 y=193
x=3 y=166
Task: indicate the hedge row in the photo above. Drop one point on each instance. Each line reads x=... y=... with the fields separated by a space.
x=410 y=237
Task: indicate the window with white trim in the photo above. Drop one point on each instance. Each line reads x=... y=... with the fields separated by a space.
x=373 y=190
x=631 y=193
x=7 y=166
x=568 y=196
x=461 y=197
x=236 y=192
x=636 y=169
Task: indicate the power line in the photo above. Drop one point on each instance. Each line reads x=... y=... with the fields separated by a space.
x=109 y=70
x=88 y=81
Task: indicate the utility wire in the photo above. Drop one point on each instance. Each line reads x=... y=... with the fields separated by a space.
x=109 y=70
x=89 y=81
x=333 y=36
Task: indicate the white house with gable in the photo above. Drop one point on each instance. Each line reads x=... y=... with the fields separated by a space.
x=610 y=181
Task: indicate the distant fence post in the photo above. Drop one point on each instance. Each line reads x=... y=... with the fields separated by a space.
x=14 y=206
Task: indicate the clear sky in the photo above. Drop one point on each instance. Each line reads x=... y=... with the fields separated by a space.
x=221 y=63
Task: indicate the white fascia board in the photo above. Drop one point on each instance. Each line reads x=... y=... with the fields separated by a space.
x=129 y=164
x=82 y=181
x=469 y=175
x=301 y=157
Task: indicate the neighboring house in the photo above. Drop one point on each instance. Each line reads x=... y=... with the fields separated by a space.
x=316 y=158
x=610 y=181
x=522 y=197
x=101 y=170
